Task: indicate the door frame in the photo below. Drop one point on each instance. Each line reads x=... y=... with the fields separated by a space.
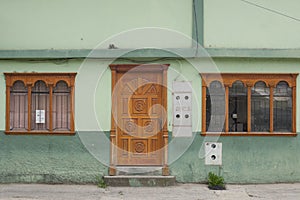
x=115 y=68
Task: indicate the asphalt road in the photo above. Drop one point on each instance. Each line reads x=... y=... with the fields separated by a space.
x=181 y=191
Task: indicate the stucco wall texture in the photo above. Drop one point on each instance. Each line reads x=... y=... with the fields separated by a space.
x=47 y=159
x=245 y=160
x=64 y=159
x=32 y=25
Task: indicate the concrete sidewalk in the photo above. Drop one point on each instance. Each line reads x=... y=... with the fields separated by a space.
x=180 y=192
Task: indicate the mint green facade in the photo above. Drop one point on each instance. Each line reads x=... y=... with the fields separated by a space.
x=83 y=25
x=258 y=24
x=59 y=36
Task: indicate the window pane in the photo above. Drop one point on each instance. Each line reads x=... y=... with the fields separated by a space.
x=260 y=107
x=61 y=109
x=18 y=107
x=237 y=107
x=40 y=106
x=215 y=107
x=282 y=108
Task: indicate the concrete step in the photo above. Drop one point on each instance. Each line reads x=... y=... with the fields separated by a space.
x=140 y=181
x=139 y=170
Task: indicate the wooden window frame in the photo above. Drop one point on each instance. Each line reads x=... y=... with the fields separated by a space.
x=29 y=79
x=227 y=79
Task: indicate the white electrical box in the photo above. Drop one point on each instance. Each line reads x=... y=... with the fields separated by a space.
x=213 y=153
x=39 y=116
x=182 y=109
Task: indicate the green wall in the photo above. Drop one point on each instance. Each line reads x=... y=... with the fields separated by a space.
x=83 y=157
x=245 y=160
x=93 y=83
x=64 y=159
x=78 y=24
x=238 y=24
x=47 y=159
x=93 y=87
x=75 y=27
x=75 y=24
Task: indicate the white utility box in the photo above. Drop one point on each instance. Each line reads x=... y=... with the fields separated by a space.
x=182 y=109
x=213 y=153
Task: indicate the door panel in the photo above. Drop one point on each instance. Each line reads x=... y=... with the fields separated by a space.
x=139 y=134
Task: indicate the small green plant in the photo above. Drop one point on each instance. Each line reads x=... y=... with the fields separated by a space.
x=215 y=182
x=101 y=182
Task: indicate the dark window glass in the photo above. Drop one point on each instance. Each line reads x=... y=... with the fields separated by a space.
x=237 y=107
x=61 y=109
x=18 y=107
x=260 y=107
x=282 y=108
x=40 y=106
x=215 y=107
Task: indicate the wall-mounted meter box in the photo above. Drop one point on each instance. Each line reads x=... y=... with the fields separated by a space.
x=40 y=116
x=182 y=109
x=213 y=153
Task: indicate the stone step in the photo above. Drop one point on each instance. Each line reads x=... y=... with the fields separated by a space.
x=140 y=181
x=136 y=170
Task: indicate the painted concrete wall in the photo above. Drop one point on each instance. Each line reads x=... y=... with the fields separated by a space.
x=79 y=24
x=64 y=159
x=258 y=24
x=47 y=159
x=93 y=88
x=52 y=158
x=93 y=83
x=83 y=157
x=245 y=160
x=86 y=24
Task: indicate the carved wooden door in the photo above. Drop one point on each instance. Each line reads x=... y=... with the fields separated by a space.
x=139 y=117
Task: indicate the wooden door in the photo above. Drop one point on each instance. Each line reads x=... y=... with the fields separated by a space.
x=139 y=114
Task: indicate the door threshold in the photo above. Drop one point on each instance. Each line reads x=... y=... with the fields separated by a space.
x=140 y=181
x=139 y=170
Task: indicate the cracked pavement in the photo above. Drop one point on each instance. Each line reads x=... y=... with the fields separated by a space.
x=180 y=191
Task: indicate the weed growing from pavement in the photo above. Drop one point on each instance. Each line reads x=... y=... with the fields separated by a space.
x=101 y=182
x=215 y=182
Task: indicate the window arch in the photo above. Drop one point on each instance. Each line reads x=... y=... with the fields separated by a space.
x=215 y=110
x=18 y=86
x=40 y=106
x=237 y=107
x=282 y=102
x=260 y=107
x=40 y=103
x=18 y=107
x=61 y=109
x=254 y=104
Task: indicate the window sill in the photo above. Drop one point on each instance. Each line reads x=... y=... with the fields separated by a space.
x=39 y=132
x=250 y=134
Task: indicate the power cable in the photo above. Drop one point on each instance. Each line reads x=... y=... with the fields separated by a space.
x=271 y=10
x=196 y=27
